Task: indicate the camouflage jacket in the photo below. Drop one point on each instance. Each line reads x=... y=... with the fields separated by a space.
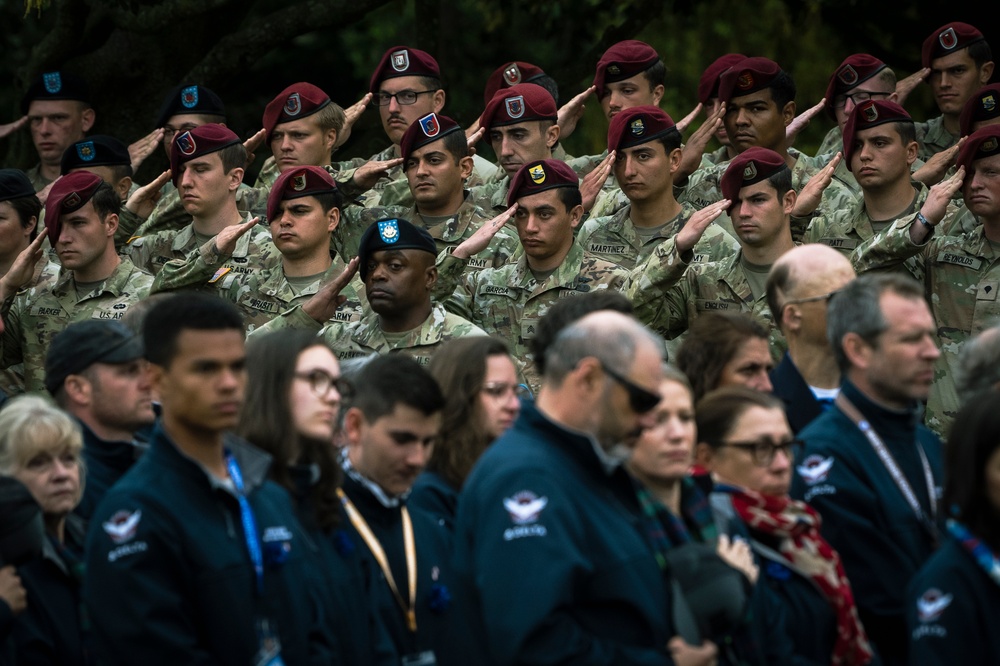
x=961 y=281
x=932 y=138
x=507 y=302
x=614 y=239
x=34 y=316
x=846 y=229
x=170 y=250
x=361 y=338
x=668 y=293
x=46 y=272
x=262 y=294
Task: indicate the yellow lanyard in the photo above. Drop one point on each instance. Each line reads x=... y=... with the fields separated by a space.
x=376 y=548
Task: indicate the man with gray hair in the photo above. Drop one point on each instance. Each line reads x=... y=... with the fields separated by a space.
x=870 y=468
x=555 y=562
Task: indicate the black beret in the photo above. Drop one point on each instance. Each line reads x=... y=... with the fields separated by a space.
x=392 y=234
x=97 y=150
x=190 y=99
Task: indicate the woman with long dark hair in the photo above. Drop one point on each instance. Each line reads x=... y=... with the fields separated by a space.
x=294 y=391
x=955 y=597
x=483 y=398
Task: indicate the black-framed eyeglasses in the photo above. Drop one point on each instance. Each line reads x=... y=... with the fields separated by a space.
x=840 y=101
x=321 y=381
x=812 y=299
x=639 y=399
x=764 y=451
x=403 y=97
x=498 y=390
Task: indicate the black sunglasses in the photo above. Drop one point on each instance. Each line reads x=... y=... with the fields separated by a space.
x=639 y=398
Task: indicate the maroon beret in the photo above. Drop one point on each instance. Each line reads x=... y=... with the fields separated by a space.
x=509 y=75
x=296 y=101
x=639 y=124
x=303 y=181
x=404 y=61
x=538 y=176
x=947 y=39
x=69 y=193
x=984 y=142
x=517 y=104
x=747 y=76
x=623 y=61
x=708 y=84
x=984 y=105
x=426 y=130
x=749 y=167
x=868 y=114
x=854 y=70
x=201 y=140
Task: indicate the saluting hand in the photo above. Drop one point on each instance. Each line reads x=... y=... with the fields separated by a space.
x=23 y=269
x=324 y=303
x=369 y=173
x=570 y=113
x=937 y=166
x=9 y=128
x=694 y=229
x=253 y=143
x=144 y=147
x=592 y=183
x=811 y=195
x=684 y=122
x=800 y=121
x=483 y=236
x=143 y=200
x=351 y=116
x=905 y=86
x=696 y=144
x=225 y=240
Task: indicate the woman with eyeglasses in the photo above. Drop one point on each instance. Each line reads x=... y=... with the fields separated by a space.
x=483 y=398
x=41 y=446
x=293 y=397
x=746 y=444
x=954 y=600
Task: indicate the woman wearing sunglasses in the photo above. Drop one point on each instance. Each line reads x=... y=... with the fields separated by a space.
x=746 y=444
x=293 y=398
x=483 y=398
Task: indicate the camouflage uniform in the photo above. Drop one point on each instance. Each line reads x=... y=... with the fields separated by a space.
x=933 y=138
x=46 y=272
x=34 y=316
x=169 y=213
x=962 y=278
x=491 y=197
x=669 y=293
x=38 y=181
x=261 y=295
x=614 y=239
x=361 y=338
x=152 y=253
x=507 y=302
x=846 y=229
x=833 y=142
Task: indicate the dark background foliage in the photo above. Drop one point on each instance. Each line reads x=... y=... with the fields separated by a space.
x=133 y=51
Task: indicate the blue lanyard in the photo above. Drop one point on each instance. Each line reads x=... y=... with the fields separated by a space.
x=249 y=523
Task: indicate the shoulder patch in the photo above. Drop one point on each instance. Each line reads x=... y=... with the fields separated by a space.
x=121 y=527
x=931 y=604
x=815 y=469
x=218 y=274
x=524 y=507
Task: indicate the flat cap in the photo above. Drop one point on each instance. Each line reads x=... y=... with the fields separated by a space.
x=83 y=343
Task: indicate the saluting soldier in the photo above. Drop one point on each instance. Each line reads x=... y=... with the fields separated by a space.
x=81 y=217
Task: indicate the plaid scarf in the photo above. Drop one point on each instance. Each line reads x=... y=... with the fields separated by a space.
x=796 y=526
x=665 y=530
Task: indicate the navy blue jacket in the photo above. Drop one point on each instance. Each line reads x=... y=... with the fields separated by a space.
x=432 y=493
x=554 y=559
x=49 y=631
x=436 y=612
x=345 y=584
x=106 y=463
x=866 y=519
x=801 y=406
x=169 y=579
x=952 y=611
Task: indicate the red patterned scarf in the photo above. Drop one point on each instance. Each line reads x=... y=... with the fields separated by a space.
x=796 y=526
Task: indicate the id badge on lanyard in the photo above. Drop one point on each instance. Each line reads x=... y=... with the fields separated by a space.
x=268 y=643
